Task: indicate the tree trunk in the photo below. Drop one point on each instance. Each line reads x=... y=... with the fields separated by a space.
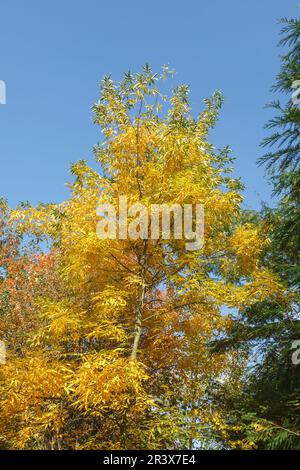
x=140 y=307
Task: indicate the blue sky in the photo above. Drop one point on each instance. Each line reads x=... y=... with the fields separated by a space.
x=54 y=53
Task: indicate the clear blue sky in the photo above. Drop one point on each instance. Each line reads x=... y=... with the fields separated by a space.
x=54 y=53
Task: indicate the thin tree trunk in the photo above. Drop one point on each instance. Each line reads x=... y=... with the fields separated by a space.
x=140 y=307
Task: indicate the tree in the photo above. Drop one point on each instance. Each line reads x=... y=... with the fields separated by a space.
x=122 y=360
x=283 y=163
x=26 y=273
x=269 y=405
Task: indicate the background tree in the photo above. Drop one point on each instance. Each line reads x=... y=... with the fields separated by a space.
x=25 y=274
x=270 y=403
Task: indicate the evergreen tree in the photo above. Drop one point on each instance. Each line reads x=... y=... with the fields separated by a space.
x=270 y=403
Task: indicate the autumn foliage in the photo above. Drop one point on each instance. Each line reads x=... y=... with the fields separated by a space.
x=109 y=340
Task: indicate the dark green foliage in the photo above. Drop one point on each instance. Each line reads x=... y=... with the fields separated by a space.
x=269 y=406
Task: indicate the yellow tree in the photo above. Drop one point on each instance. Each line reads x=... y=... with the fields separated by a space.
x=122 y=359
